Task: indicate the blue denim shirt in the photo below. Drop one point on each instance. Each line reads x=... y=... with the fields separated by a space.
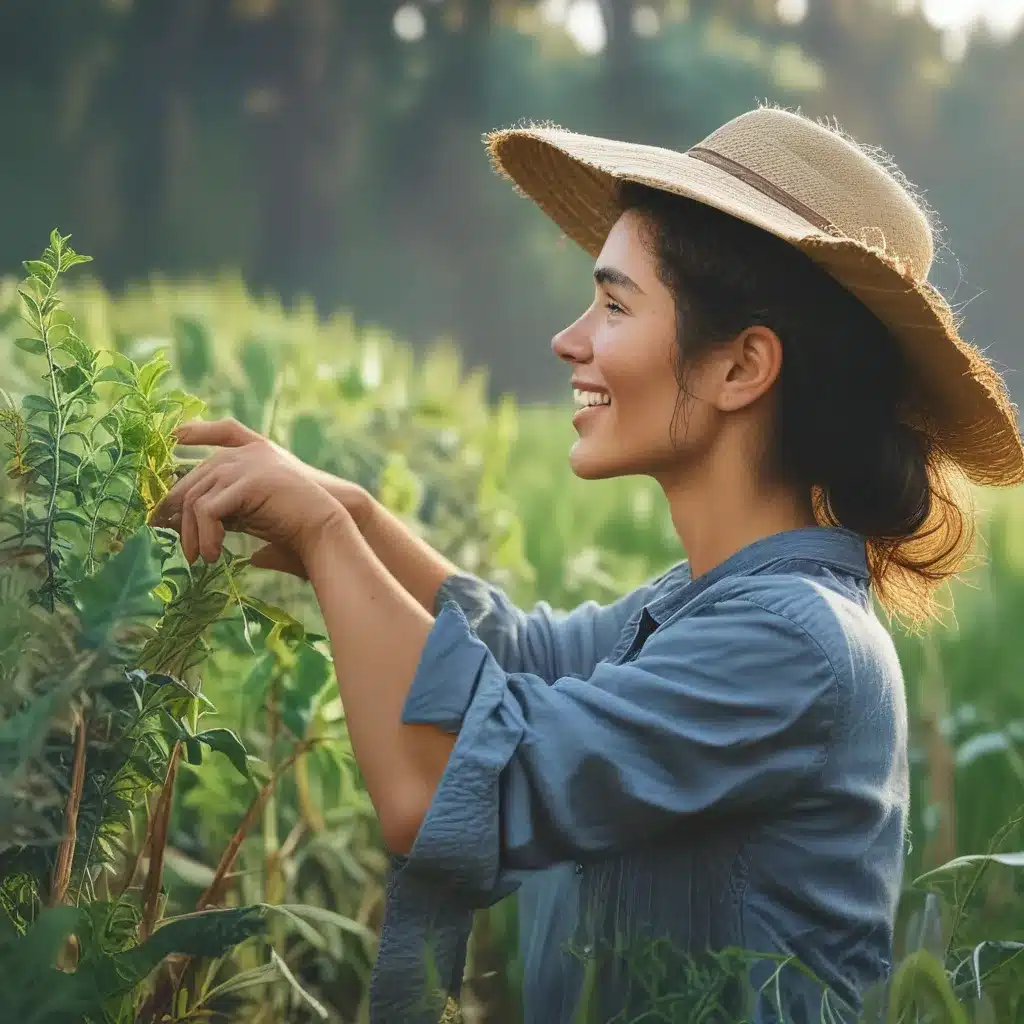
x=709 y=763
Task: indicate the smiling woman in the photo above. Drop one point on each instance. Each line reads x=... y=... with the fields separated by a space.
x=719 y=758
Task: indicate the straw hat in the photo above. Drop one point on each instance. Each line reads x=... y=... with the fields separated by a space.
x=813 y=188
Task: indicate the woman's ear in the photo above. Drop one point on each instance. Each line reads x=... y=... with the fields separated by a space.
x=753 y=362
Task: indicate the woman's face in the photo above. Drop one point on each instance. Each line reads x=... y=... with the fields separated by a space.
x=622 y=351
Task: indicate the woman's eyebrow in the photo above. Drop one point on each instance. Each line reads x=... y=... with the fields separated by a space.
x=612 y=276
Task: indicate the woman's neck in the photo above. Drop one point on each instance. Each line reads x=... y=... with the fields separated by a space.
x=725 y=511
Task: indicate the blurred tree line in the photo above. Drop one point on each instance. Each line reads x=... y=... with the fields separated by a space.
x=332 y=147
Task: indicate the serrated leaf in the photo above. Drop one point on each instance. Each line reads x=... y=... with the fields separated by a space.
x=120 y=593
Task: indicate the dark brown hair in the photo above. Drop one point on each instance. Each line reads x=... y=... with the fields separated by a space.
x=848 y=424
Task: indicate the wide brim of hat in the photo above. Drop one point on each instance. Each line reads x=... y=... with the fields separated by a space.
x=963 y=400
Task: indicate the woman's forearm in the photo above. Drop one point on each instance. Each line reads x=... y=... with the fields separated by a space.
x=378 y=628
x=408 y=558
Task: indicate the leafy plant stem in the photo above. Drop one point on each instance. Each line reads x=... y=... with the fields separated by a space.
x=58 y=433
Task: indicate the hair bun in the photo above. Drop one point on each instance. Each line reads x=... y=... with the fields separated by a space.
x=883 y=490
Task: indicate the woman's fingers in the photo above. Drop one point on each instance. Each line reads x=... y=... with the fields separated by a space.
x=212 y=508
x=169 y=510
x=189 y=529
x=226 y=433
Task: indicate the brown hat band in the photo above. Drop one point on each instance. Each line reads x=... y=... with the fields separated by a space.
x=764 y=186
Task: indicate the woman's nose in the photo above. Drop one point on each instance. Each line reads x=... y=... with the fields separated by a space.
x=573 y=343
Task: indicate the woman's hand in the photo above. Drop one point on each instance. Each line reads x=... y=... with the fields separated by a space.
x=256 y=488
x=230 y=434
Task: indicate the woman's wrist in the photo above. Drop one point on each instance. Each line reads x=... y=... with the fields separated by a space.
x=323 y=531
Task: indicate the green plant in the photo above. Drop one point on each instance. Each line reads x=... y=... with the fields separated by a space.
x=101 y=633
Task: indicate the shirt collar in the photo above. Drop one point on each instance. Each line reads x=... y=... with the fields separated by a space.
x=828 y=546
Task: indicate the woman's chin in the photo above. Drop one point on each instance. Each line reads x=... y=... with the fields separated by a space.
x=589 y=463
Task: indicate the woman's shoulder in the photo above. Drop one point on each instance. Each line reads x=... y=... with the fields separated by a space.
x=831 y=612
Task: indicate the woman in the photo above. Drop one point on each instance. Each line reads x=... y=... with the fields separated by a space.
x=719 y=758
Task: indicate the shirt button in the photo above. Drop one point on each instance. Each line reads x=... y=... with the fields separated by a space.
x=579 y=869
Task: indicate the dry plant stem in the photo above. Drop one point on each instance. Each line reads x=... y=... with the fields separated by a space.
x=157 y=842
x=66 y=851
x=214 y=893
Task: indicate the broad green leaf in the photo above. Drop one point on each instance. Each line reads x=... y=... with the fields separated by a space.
x=38 y=403
x=193 y=750
x=121 y=593
x=34 y=345
x=35 y=992
x=226 y=742
x=257 y=360
x=194 y=350
x=41 y=270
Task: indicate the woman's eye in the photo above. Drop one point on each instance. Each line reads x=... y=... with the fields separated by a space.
x=613 y=307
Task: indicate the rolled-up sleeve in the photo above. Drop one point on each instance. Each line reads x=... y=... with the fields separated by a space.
x=719 y=711
x=543 y=642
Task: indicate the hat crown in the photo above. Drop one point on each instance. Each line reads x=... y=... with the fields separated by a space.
x=836 y=179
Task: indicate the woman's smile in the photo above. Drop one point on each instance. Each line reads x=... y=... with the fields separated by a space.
x=589 y=401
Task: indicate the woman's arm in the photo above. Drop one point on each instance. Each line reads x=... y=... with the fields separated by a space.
x=378 y=630
x=542 y=641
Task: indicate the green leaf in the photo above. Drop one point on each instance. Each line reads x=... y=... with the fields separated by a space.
x=226 y=742
x=195 y=352
x=22 y=734
x=113 y=374
x=120 y=593
x=38 y=403
x=31 y=302
x=317 y=1007
x=72 y=259
x=266 y=974
x=193 y=750
x=72 y=515
x=34 y=345
x=151 y=372
x=35 y=992
x=1010 y=860
x=258 y=363
x=41 y=270
x=321 y=915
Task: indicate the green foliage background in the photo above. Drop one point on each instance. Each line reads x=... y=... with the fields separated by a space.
x=304 y=143
x=489 y=485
